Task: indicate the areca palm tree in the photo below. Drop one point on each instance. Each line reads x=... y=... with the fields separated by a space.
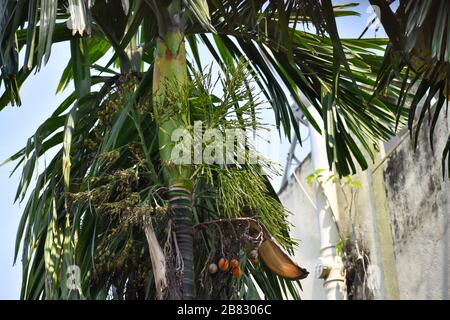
x=114 y=203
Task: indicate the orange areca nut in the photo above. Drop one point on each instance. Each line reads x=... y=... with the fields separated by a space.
x=237 y=272
x=223 y=264
x=234 y=263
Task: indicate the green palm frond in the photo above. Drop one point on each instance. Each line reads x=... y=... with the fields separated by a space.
x=265 y=33
x=419 y=57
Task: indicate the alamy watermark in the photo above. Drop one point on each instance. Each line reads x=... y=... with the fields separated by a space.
x=202 y=145
x=73 y=280
x=374 y=20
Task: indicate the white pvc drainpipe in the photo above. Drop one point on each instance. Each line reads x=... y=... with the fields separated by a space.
x=330 y=266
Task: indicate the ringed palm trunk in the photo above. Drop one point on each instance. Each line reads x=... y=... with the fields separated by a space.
x=170 y=69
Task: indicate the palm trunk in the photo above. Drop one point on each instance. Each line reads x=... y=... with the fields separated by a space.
x=170 y=69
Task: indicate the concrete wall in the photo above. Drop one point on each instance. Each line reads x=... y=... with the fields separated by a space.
x=419 y=205
x=399 y=215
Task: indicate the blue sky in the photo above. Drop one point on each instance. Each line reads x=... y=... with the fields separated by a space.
x=39 y=100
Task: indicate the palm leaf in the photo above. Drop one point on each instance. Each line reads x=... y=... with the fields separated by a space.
x=420 y=48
